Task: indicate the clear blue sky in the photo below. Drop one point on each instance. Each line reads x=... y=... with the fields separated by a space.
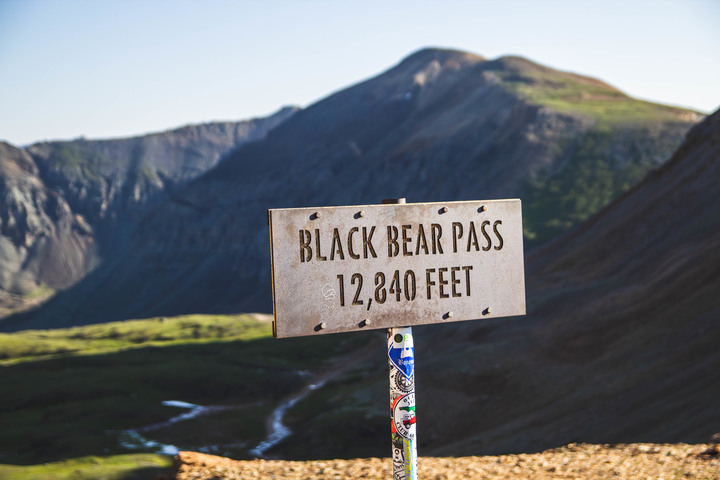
x=108 y=68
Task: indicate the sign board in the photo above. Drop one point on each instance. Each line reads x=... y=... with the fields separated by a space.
x=341 y=269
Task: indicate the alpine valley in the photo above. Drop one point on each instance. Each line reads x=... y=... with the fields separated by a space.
x=621 y=220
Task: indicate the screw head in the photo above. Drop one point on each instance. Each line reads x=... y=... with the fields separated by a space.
x=365 y=322
x=444 y=210
x=317 y=214
x=449 y=314
x=322 y=326
x=362 y=213
x=487 y=311
x=482 y=209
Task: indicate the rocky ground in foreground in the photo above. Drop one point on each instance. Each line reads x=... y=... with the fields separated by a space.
x=575 y=461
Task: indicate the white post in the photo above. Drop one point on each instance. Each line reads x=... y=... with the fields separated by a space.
x=401 y=363
x=401 y=360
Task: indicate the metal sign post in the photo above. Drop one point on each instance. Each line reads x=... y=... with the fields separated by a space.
x=401 y=362
x=393 y=266
x=401 y=366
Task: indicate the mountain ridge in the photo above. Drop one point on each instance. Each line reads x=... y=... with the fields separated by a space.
x=440 y=125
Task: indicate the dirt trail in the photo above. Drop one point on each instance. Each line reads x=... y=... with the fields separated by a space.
x=583 y=461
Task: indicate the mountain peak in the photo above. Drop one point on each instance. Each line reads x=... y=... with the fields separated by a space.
x=436 y=53
x=444 y=56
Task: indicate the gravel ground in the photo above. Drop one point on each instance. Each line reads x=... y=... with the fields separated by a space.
x=581 y=461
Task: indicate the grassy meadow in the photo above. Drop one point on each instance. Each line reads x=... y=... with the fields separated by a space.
x=571 y=93
x=72 y=395
x=116 y=467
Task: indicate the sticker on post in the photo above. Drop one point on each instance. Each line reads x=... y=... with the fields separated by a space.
x=411 y=458
x=404 y=416
x=398 y=458
x=400 y=383
x=403 y=358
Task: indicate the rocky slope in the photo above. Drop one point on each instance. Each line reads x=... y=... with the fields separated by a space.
x=441 y=125
x=589 y=462
x=42 y=241
x=621 y=340
x=619 y=343
x=66 y=205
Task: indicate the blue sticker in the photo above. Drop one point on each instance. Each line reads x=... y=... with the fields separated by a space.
x=403 y=359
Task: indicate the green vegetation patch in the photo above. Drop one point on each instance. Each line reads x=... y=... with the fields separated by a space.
x=40 y=292
x=570 y=93
x=145 y=174
x=78 y=161
x=592 y=170
x=30 y=345
x=76 y=392
x=588 y=182
x=117 y=467
x=624 y=139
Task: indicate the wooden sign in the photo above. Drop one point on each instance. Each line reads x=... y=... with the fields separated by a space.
x=340 y=269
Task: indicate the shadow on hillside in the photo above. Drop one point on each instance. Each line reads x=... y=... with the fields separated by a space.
x=75 y=406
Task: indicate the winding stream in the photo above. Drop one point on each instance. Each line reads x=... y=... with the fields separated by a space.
x=134 y=439
x=278 y=431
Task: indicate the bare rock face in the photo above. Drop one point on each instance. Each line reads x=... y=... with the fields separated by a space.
x=42 y=242
x=64 y=206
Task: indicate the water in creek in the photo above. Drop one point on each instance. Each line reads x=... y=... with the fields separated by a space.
x=134 y=439
x=278 y=431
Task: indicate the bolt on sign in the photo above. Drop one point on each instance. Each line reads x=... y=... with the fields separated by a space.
x=341 y=269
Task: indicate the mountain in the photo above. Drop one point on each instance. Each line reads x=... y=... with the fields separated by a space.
x=620 y=343
x=42 y=242
x=441 y=125
x=108 y=179
x=65 y=206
